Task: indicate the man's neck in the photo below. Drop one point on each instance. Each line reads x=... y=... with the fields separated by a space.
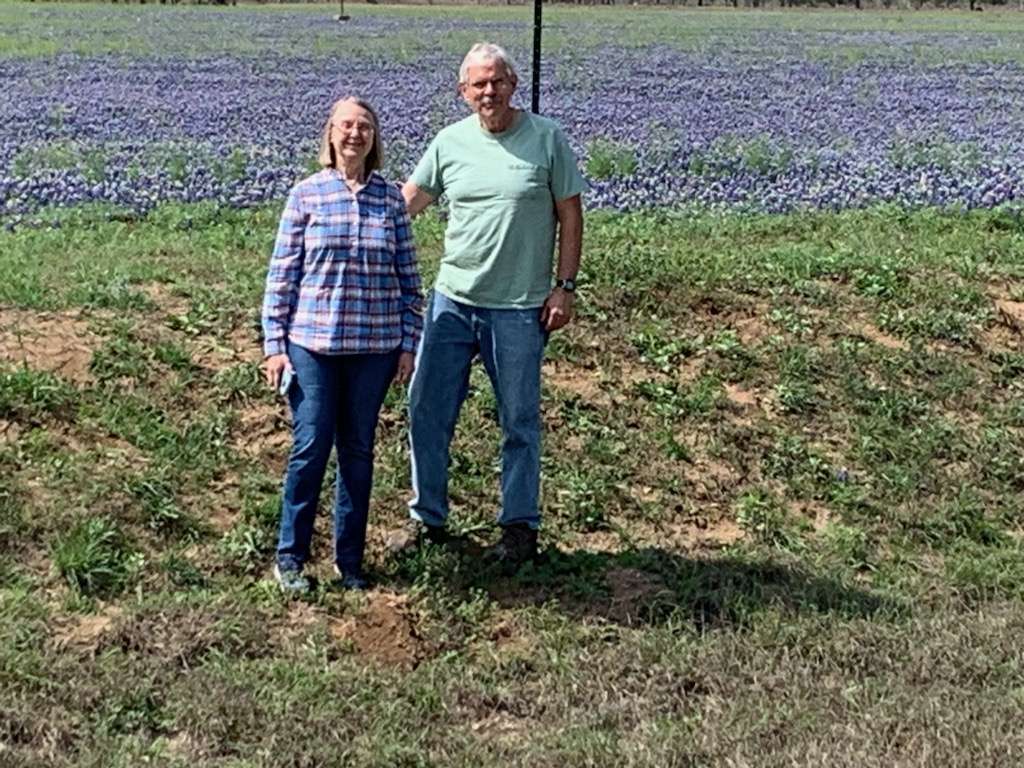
x=499 y=125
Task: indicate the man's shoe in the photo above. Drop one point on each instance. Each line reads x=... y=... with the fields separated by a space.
x=354 y=581
x=291 y=580
x=518 y=545
x=412 y=535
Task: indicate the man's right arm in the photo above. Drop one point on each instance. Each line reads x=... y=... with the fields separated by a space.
x=415 y=198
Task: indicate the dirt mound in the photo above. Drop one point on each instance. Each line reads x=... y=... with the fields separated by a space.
x=58 y=342
x=383 y=632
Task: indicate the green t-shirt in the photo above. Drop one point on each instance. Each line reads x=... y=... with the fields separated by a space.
x=501 y=189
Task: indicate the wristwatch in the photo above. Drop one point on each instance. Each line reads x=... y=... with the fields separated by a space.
x=566 y=285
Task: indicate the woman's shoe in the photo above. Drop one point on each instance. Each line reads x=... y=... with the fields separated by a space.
x=290 y=580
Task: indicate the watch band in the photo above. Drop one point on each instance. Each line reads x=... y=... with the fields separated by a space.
x=566 y=284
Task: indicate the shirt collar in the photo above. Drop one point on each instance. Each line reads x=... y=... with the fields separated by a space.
x=373 y=178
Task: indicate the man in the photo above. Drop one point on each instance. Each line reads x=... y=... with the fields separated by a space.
x=510 y=177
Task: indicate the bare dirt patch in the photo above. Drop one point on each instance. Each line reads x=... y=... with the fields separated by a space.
x=691 y=368
x=703 y=533
x=1011 y=313
x=58 y=342
x=710 y=478
x=815 y=512
x=166 y=300
x=879 y=337
x=739 y=396
x=597 y=541
x=84 y=633
x=751 y=330
x=264 y=433
x=383 y=633
x=575 y=380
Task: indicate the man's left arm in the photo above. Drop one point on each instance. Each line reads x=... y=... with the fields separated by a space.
x=557 y=310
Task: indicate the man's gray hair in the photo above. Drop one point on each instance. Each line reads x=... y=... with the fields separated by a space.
x=484 y=52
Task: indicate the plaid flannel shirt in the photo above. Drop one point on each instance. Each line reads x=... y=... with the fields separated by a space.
x=343 y=277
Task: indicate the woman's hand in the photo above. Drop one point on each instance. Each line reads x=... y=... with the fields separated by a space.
x=406 y=365
x=273 y=367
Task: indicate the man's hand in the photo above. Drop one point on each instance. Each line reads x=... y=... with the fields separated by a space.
x=557 y=309
x=406 y=365
x=415 y=198
x=273 y=368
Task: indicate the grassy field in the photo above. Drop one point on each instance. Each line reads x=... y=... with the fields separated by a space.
x=783 y=466
x=60 y=28
x=783 y=483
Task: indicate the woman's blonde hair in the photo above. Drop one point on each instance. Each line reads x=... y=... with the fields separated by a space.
x=376 y=156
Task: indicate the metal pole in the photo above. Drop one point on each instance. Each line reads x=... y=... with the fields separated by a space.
x=535 y=103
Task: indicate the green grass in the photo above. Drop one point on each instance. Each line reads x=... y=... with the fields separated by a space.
x=93 y=29
x=783 y=479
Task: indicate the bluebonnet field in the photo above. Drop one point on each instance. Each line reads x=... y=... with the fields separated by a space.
x=664 y=109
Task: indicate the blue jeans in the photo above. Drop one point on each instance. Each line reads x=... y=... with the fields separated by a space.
x=511 y=344
x=335 y=400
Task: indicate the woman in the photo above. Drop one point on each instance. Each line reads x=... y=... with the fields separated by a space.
x=342 y=316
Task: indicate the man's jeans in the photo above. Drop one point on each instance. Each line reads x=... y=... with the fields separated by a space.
x=511 y=344
x=335 y=400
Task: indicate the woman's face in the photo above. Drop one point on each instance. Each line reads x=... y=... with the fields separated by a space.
x=351 y=133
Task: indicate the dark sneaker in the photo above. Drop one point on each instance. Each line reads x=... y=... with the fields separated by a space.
x=291 y=580
x=412 y=535
x=518 y=545
x=353 y=581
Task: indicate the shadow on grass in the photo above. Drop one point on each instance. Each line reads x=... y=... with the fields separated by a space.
x=654 y=586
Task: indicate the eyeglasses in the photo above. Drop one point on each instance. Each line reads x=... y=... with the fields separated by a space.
x=364 y=128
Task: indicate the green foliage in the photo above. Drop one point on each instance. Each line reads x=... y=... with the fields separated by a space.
x=240 y=382
x=95 y=558
x=161 y=511
x=247 y=547
x=765 y=517
x=922 y=152
x=29 y=395
x=607 y=158
x=659 y=346
x=850 y=545
x=756 y=154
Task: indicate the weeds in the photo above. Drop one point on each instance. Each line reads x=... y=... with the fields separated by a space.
x=95 y=558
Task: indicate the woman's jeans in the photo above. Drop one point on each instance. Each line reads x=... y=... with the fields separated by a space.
x=511 y=344
x=335 y=400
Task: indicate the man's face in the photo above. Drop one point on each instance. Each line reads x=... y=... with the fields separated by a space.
x=488 y=89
